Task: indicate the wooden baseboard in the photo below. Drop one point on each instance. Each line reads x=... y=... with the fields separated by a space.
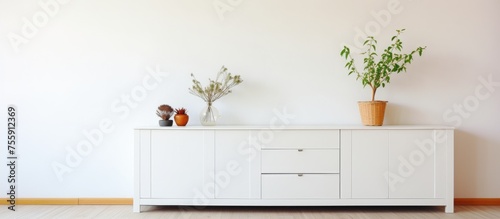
x=129 y=201
x=46 y=201
x=105 y=201
x=71 y=201
x=477 y=201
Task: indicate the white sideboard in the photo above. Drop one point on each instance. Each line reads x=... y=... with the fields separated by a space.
x=294 y=166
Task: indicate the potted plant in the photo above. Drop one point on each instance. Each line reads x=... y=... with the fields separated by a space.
x=181 y=118
x=217 y=88
x=165 y=111
x=377 y=73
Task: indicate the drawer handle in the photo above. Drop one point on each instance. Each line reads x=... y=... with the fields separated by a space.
x=300 y=174
x=300 y=150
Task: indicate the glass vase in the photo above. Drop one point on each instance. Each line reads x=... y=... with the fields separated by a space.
x=209 y=115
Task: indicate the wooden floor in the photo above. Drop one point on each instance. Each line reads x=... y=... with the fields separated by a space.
x=125 y=211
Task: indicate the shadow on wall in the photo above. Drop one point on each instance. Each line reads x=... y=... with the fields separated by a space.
x=466 y=164
x=257 y=107
x=397 y=114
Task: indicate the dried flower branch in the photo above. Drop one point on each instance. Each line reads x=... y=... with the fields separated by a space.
x=217 y=88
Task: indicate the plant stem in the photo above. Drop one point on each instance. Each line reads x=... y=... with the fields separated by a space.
x=374 y=90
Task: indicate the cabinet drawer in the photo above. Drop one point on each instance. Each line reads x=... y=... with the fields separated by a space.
x=304 y=139
x=300 y=161
x=303 y=186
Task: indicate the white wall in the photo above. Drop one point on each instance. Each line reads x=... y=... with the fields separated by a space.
x=87 y=61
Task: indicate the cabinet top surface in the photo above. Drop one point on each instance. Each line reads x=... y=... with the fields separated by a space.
x=304 y=127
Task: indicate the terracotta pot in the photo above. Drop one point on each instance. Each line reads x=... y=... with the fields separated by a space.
x=181 y=119
x=372 y=112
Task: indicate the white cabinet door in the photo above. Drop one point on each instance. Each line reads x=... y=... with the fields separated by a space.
x=393 y=163
x=237 y=164
x=369 y=150
x=413 y=166
x=182 y=164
